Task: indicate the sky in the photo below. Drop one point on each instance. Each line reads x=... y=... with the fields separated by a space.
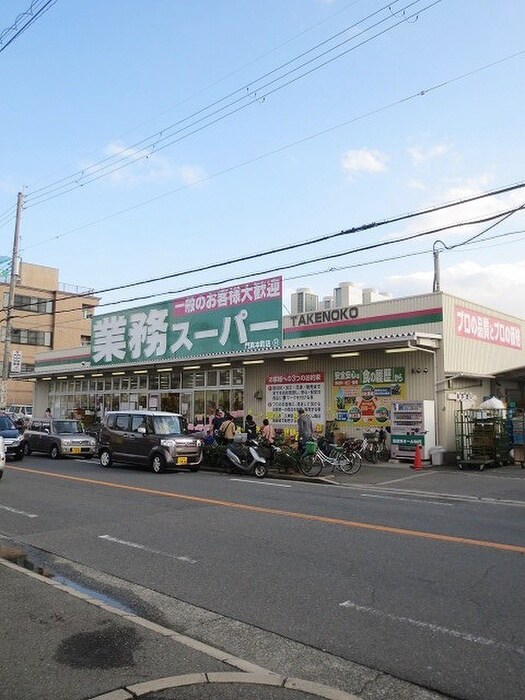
x=154 y=138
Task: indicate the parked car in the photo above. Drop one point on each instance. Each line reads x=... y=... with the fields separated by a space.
x=2 y=456
x=13 y=440
x=58 y=438
x=153 y=439
x=19 y=411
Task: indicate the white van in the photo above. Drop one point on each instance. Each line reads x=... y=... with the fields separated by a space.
x=16 y=410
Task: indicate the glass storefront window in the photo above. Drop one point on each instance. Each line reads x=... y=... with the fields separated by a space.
x=211 y=377
x=224 y=377
x=211 y=402
x=200 y=378
x=224 y=399
x=238 y=377
x=237 y=400
x=134 y=382
x=165 y=381
x=198 y=407
x=188 y=380
x=107 y=383
x=154 y=382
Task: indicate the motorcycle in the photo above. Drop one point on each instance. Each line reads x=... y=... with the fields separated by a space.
x=245 y=459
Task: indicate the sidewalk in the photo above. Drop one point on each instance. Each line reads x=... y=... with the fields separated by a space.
x=60 y=644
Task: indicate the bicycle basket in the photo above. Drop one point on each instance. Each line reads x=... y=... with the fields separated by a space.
x=310 y=447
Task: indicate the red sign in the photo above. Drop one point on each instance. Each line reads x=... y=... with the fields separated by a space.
x=472 y=324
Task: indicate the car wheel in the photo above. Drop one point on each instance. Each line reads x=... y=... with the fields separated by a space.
x=54 y=453
x=27 y=449
x=19 y=455
x=105 y=459
x=158 y=464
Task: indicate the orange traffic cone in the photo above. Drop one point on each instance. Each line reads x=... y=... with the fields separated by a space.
x=417 y=458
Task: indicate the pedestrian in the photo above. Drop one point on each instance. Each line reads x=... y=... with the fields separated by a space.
x=267 y=431
x=48 y=414
x=216 y=421
x=227 y=429
x=305 y=428
x=250 y=428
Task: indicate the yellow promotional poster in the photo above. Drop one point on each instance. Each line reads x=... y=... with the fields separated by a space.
x=364 y=396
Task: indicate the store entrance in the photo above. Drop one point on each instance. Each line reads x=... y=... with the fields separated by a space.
x=170 y=403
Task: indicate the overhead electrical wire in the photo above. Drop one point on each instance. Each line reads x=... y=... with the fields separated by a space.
x=161 y=140
x=24 y=21
x=419 y=93
x=370 y=246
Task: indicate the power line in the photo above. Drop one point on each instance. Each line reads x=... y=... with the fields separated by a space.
x=419 y=93
x=249 y=96
x=24 y=21
x=370 y=246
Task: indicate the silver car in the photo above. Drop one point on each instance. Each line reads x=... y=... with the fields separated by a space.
x=58 y=438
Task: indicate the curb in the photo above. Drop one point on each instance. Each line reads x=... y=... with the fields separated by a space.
x=218 y=677
x=247 y=672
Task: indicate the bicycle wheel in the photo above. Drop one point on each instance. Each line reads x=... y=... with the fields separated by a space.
x=356 y=462
x=311 y=465
x=371 y=454
x=349 y=463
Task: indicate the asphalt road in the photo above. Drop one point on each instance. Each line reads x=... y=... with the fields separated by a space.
x=417 y=575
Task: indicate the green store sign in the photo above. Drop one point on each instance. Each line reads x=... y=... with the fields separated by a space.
x=246 y=318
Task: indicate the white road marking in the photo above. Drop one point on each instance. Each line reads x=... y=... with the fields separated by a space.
x=263 y=483
x=482 y=500
x=465 y=636
x=142 y=547
x=404 y=478
x=410 y=500
x=19 y=512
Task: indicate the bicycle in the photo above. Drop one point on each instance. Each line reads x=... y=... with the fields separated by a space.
x=326 y=454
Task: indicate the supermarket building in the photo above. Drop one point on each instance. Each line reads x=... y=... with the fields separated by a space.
x=406 y=364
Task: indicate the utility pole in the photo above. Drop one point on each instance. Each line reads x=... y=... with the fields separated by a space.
x=10 y=303
x=436 y=251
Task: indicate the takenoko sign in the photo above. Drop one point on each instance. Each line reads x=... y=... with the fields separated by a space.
x=245 y=318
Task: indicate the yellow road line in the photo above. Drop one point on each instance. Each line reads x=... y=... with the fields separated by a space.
x=286 y=513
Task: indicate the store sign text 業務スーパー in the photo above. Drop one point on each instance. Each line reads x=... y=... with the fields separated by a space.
x=471 y=324
x=245 y=318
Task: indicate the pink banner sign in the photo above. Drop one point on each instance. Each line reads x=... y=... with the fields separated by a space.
x=471 y=324
x=249 y=293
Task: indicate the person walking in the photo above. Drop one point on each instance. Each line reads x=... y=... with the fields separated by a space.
x=48 y=414
x=250 y=428
x=305 y=428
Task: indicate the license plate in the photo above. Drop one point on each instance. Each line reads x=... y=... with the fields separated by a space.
x=182 y=460
x=76 y=450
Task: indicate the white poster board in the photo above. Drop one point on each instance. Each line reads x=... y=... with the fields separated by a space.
x=285 y=393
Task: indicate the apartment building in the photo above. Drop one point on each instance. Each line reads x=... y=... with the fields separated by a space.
x=46 y=316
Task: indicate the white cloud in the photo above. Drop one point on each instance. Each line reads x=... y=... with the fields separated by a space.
x=421 y=156
x=364 y=161
x=500 y=286
x=191 y=174
x=128 y=166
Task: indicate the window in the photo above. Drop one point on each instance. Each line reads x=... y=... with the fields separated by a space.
x=85 y=340
x=87 y=311
x=24 y=336
x=122 y=422
x=33 y=304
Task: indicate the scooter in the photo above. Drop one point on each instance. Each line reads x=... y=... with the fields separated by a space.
x=245 y=459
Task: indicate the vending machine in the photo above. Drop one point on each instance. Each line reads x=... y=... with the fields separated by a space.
x=412 y=423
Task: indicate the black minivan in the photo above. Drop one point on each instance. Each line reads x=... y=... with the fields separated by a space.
x=153 y=439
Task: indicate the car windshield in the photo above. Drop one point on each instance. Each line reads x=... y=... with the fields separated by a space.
x=6 y=423
x=169 y=425
x=67 y=426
